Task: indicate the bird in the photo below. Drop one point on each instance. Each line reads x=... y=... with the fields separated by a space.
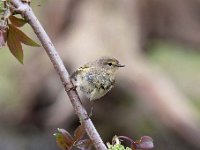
x=96 y=78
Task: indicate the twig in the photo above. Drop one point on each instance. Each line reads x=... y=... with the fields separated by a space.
x=28 y=14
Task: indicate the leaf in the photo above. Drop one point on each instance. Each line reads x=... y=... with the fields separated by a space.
x=64 y=139
x=17 y=21
x=146 y=142
x=61 y=142
x=79 y=132
x=22 y=37
x=15 y=46
x=116 y=144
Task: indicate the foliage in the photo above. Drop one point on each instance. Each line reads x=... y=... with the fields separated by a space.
x=144 y=143
x=10 y=32
x=116 y=145
x=66 y=141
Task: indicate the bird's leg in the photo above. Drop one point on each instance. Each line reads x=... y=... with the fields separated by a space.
x=71 y=88
x=91 y=111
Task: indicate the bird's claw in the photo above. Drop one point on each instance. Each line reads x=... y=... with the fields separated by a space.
x=73 y=87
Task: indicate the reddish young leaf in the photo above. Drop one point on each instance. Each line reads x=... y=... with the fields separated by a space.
x=61 y=142
x=15 y=46
x=66 y=136
x=145 y=142
x=22 y=37
x=133 y=147
x=79 y=132
x=17 y=21
x=64 y=139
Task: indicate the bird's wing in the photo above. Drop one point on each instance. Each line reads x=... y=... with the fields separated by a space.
x=83 y=68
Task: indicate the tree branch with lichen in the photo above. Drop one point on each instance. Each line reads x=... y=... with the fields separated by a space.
x=25 y=10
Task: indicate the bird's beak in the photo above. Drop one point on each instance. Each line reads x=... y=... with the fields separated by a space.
x=119 y=65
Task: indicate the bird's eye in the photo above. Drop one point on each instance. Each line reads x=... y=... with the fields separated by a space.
x=110 y=64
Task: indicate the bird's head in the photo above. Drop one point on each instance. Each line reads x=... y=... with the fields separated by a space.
x=109 y=64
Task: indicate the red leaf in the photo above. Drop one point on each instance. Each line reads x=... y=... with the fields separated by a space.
x=66 y=136
x=146 y=142
x=79 y=132
x=17 y=21
x=22 y=37
x=15 y=46
x=64 y=139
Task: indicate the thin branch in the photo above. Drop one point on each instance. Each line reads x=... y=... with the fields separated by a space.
x=28 y=14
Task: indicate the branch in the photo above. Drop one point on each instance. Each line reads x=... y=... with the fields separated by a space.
x=50 y=49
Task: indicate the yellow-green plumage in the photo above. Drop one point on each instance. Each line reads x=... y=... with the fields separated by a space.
x=96 y=78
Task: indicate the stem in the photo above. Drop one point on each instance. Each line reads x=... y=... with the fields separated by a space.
x=50 y=49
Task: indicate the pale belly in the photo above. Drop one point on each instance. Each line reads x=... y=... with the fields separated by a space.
x=93 y=90
x=98 y=93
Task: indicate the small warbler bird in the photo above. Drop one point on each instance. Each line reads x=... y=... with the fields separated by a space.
x=96 y=78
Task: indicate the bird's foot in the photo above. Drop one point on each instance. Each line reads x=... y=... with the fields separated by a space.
x=71 y=87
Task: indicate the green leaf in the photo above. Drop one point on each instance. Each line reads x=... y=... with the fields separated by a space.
x=116 y=145
x=22 y=37
x=17 y=21
x=15 y=46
